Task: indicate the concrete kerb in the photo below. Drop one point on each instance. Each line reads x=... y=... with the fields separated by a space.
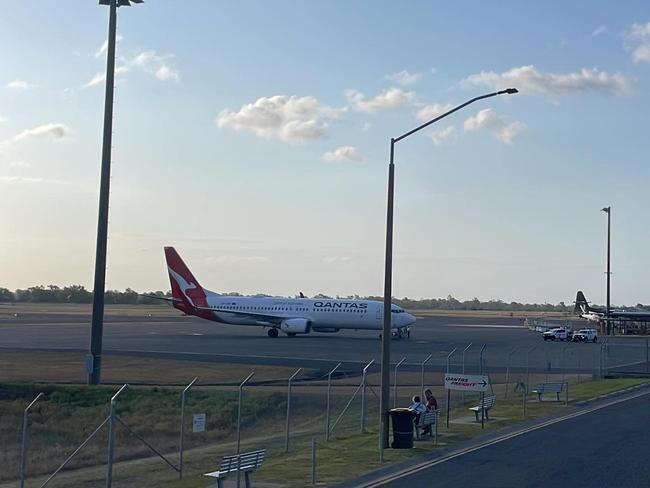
x=376 y=477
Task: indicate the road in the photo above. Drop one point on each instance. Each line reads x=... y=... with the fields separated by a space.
x=605 y=448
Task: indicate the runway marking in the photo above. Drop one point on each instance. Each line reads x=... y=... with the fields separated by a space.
x=487 y=326
x=428 y=464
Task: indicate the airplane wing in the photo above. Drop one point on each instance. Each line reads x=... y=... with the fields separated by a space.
x=261 y=318
x=166 y=299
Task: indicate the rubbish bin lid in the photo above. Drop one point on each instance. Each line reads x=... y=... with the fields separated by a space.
x=399 y=410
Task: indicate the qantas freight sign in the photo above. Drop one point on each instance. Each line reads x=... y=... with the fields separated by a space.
x=466 y=382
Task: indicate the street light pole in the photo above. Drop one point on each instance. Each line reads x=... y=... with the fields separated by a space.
x=94 y=360
x=608 y=211
x=384 y=400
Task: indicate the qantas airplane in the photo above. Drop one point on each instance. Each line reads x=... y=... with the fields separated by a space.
x=586 y=311
x=289 y=315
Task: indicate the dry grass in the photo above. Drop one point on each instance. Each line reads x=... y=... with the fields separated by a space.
x=68 y=367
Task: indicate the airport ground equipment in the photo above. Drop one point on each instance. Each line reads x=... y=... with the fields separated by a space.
x=427 y=419
x=484 y=405
x=556 y=388
x=559 y=334
x=248 y=463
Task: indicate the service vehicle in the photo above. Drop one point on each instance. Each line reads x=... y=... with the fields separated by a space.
x=557 y=334
x=585 y=335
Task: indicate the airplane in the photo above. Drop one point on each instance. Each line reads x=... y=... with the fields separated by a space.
x=289 y=315
x=586 y=311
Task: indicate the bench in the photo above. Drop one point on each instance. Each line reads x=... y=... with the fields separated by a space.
x=427 y=419
x=556 y=388
x=486 y=404
x=247 y=462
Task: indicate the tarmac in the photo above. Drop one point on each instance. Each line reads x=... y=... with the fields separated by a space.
x=508 y=343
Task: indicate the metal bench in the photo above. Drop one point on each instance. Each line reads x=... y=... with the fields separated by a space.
x=486 y=404
x=427 y=419
x=556 y=388
x=247 y=463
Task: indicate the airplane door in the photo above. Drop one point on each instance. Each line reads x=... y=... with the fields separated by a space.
x=380 y=313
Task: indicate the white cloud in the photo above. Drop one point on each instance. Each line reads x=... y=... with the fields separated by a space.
x=21 y=85
x=23 y=179
x=388 y=99
x=601 y=29
x=432 y=111
x=637 y=38
x=2 y=118
x=101 y=77
x=53 y=131
x=344 y=153
x=104 y=47
x=528 y=80
x=162 y=67
x=19 y=164
x=234 y=259
x=440 y=136
x=337 y=259
x=404 y=78
x=288 y=118
x=487 y=119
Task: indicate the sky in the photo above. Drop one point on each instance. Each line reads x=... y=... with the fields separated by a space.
x=254 y=137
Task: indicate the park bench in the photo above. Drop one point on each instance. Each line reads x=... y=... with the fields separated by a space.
x=556 y=388
x=247 y=463
x=486 y=404
x=427 y=419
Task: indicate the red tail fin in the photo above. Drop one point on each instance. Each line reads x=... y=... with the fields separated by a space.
x=185 y=286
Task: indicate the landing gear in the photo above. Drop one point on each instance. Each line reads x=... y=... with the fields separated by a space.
x=273 y=332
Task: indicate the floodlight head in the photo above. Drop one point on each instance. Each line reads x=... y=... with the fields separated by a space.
x=508 y=91
x=120 y=3
x=606 y=209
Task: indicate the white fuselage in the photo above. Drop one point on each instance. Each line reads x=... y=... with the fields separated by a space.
x=320 y=314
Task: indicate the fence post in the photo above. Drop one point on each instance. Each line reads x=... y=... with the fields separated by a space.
x=426 y=360
x=449 y=391
x=395 y=381
x=241 y=390
x=564 y=362
x=527 y=387
x=23 y=445
x=363 y=395
x=646 y=355
x=313 y=460
x=327 y=411
x=464 y=351
x=181 y=440
x=510 y=354
x=286 y=434
x=111 y=437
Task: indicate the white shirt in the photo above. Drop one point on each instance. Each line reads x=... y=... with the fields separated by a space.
x=418 y=407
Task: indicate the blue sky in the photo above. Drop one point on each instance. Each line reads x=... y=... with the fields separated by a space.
x=254 y=138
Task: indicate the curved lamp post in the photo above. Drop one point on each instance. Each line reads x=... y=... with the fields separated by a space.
x=388 y=272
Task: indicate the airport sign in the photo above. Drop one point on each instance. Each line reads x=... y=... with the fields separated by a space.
x=198 y=424
x=466 y=382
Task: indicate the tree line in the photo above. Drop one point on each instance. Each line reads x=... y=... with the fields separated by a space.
x=79 y=294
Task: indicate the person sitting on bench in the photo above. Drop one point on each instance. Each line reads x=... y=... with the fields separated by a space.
x=417 y=408
x=432 y=406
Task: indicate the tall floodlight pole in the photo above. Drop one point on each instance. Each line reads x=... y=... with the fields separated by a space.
x=608 y=211
x=384 y=400
x=94 y=360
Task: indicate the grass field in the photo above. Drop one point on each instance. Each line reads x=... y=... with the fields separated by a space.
x=346 y=456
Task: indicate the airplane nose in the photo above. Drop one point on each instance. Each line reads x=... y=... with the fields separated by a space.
x=410 y=319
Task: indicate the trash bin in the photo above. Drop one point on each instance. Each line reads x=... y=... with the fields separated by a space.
x=402 y=420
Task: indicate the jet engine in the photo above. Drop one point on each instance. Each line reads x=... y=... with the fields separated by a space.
x=295 y=326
